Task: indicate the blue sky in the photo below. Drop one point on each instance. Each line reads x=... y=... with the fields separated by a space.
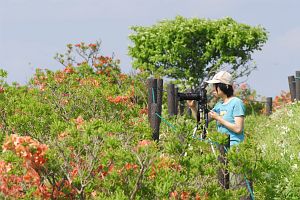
x=32 y=31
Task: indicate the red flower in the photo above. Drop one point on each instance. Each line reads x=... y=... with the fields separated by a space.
x=92 y=45
x=118 y=99
x=174 y=194
x=69 y=70
x=129 y=166
x=143 y=111
x=2 y=90
x=184 y=195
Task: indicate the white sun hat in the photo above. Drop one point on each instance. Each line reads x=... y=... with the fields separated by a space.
x=222 y=77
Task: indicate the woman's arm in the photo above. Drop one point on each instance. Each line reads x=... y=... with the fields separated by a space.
x=192 y=105
x=236 y=127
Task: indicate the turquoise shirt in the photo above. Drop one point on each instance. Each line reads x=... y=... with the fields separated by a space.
x=234 y=108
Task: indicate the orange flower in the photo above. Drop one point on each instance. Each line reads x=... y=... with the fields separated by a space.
x=143 y=111
x=118 y=99
x=123 y=77
x=69 y=70
x=74 y=172
x=111 y=167
x=42 y=87
x=174 y=194
x=93 y=46
x=24 y=146
x=79 y=121
x=184 y=195
x=129 y=166
x=62 y=135
x=144 y=143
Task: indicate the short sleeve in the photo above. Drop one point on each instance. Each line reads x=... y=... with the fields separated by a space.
x=217 y=108
x=239 y=108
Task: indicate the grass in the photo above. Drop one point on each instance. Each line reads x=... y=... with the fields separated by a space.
x=277 y=138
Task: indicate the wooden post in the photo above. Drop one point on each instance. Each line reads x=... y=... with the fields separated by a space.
x=269 y=106
x=155 y=94
x=223 y=173
x=152 y=92
x=292 y=86
x=297 y=77
x=171 y=99
x=176 y=101
x=160 y=85
x=154 y=122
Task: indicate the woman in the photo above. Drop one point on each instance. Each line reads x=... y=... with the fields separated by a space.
x=229 y=112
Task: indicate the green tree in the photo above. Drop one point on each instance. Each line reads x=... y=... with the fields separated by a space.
x=191 y=50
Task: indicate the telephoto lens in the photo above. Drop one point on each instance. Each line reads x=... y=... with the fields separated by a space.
x=189 y=96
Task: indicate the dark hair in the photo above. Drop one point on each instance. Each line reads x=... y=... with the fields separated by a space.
x=226 y=89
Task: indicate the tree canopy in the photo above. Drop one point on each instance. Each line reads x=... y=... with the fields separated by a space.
x=193 y=49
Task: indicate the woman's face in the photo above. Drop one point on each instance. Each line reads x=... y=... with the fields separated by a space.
x=217 y=92
x=214 y=90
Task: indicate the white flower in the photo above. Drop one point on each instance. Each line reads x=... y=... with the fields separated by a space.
x=282 y=144
x=294 y=167
x=286 y=180
x=290 y=113
x=284 y=130
x=264 y=148
x=292 y=156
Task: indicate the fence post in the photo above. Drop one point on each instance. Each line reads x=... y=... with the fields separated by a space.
x=171 y=99
x=297 y=77
x=269 y=106
x=160 y=85
x=292 y=86
x=176 y=101
x=152 y=94
x=154 y=122
x=223 y=173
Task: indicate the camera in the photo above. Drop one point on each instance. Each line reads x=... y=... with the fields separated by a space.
x=199 y=95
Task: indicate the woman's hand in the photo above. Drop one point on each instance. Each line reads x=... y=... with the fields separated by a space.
x=214 y=115
x=191 y=103
x=236 y=127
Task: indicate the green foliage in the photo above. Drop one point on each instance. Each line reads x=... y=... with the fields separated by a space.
x=3 y=73
x=276 y=141
x=99 y=143
x=193 y=49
